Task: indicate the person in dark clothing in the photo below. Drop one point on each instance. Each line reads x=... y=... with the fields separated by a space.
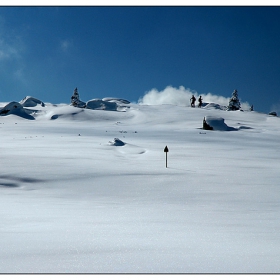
x=200 y=101
x=192 y=100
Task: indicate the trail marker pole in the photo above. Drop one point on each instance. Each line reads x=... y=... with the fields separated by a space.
x=166 y=151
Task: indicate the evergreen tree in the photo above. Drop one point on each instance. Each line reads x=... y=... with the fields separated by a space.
x=75 y=100
x=75 y=97
x=234 y=103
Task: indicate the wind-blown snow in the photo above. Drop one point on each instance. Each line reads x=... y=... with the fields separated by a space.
x=74 y=201
x=181 y=97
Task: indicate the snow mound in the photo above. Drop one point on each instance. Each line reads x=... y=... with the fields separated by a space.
x=30 y=101
x=272 y=114
x=65 y=116
x=127 y=148
x=72 y=113
x=116 y=100
x=107 y=104
x=99 y=104
x=69 y=112
x=132 y=150
x=217 y=123
x=214 y=106
x=116 y=142
x=17 y=109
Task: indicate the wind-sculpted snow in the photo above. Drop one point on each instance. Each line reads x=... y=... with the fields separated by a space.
x=68 y=112
x=214 y=106
x=218 y=123
x=17 y=109
x=98 y=104
x=127 y=148
x=13 y=181
x=117 y=142
x=52 y=110
x=88 y=191
x=30 y=101
x=116 y=100
x=107 y=104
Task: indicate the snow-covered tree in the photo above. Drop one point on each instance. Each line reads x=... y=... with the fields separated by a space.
x=75 y=98
x=234 y=103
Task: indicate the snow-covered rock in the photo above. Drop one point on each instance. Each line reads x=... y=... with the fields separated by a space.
x=273 y=114
x=17 y=109
x=108 y=104
x=99 y=104
x=116 y=142
x=216 y=123
x=116 y=100
x=30 y=101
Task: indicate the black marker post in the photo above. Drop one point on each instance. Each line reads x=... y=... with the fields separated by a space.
x=166 y=151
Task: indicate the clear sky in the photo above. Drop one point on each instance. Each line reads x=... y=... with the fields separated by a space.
x=124 y=52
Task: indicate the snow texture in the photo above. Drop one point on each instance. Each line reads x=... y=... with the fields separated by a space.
x=87 y=191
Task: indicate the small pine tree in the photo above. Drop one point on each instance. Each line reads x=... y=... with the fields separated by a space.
x=75 y=97
x=234 y=103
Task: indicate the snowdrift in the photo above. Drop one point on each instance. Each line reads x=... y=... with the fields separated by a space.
x=214 y=106
x=216 y=123
x=17 y=109
x=117 y=142
x=30 y=101
x=108 y=104
x=72 y=203
x=117 y=100
x=98 y=104
x=84 y=112
x=127 y=148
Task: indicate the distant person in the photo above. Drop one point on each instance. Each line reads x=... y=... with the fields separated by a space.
x=200 y=101
x=192 y=100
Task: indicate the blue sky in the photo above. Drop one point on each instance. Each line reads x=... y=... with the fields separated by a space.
x=125 y=52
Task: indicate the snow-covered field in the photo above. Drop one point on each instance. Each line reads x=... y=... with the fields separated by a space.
x=74 y=200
